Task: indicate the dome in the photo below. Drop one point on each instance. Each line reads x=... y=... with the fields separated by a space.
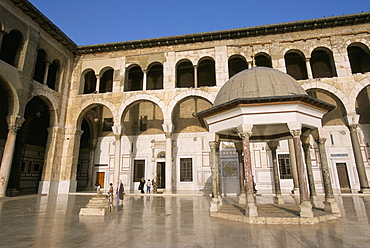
x=258 y=82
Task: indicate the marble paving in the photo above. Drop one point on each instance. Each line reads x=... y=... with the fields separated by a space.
x=169 y=221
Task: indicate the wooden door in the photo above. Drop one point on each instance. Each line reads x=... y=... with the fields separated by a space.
x=343 y=177
x=100 y=178
x=161 y=175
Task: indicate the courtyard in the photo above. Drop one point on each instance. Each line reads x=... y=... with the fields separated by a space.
x=169 y=221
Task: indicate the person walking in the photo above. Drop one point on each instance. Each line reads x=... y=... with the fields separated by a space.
x=120 y=192
x=141 y=185
x=148 y=186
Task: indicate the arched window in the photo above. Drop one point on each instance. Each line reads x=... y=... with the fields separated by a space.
x=11 y=47
x=322 y=63
x=38 y=74
x=185 y=74
x=206 y=72
x=155 y=77
x=89 y=82
x=359 y=58
x=236 y=64
x=53 y=75
x=106 y=81
x=263 y=59
x=296 y=65
x=134 y=79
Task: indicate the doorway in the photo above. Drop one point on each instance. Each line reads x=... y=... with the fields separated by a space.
x=100 y=178
x=343 y=178
x=161 y=173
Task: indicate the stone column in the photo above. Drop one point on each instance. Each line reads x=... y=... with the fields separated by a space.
x=305 y=138
x=97 y=83
x=46 y=72
x=92 y=146
x=145 y=79
x=330 y=204
x=195 y=76
x=243 y=195
x=364 y=184
x=293 y=163
x=278 y=197
x=309 y=70
x=245 y=132
x=168 y=128
x=215 y=202
x=217 y=164
x=14 y=124
x=305 y=204
x=117 y=131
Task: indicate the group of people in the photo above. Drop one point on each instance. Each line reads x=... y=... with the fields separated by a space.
x=120 y=192
x=149 y=184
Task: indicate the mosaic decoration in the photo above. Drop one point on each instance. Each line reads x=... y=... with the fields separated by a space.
x=229 y=169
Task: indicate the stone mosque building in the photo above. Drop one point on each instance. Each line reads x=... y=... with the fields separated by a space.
x=71 y=116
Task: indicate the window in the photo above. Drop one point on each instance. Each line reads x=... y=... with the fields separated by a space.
x=108 y=124
x=143 y=122
x=139 y=170
x=186 y=169
x=285 y=167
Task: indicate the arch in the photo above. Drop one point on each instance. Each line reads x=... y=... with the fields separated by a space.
x=88 y=81
x=184 y=74
x=206 y=72
x=335 y=116
x=295 y=63
x=88 y=105
x=353 y=95
x=155 y=76
x=322 y=63
x=263 y=59
x=12 y=96
x=359 y=57
x=184 y=115
x=194 y=92
x=106 y=80
x=142 y=117
x=51 y=101
x=137 y=97
x=40 y=66
x=11 y=47
x=53 y=75
x=236 y=63
x=134 y=78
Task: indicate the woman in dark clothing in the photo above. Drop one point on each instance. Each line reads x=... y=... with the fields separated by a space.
x=141 y=185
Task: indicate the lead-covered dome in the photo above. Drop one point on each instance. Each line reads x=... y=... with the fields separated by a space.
x=258 y=82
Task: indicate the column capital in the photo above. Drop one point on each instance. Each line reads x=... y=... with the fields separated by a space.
x=321 y=140
x=296 y=133
x=13 y=128
x=117 y=131
x=168 y=135
x=213 y=144
x=353 y=127
x=273 y=144
x=245 y=131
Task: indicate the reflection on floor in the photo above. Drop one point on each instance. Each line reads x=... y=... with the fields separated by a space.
x=169 y=221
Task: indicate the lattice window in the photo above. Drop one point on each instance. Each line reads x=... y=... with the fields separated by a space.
x=285 y=166
x=186 y=169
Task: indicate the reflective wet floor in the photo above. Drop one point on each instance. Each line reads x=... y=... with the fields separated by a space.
x=168 y=221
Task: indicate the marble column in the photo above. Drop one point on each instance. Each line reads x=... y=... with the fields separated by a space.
x=305 y=204
x=168 y=129
x=242 y=195
x=215 y=201
x=308 y=67
x=14 y=124
x=145 y=76
x=305 y=138
x=195 y=76
x=245 y=132
x=330 y=204
x=364 y=184
x=97 y=83
x=117 y=131
x=278 y=199
x=46 y=72
x=92 y=146
x=217 y=164
x=293 y=165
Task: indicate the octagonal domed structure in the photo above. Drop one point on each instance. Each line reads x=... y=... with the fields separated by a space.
x=258 y=82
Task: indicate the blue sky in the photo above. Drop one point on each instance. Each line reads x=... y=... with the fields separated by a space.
x=102 y=21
